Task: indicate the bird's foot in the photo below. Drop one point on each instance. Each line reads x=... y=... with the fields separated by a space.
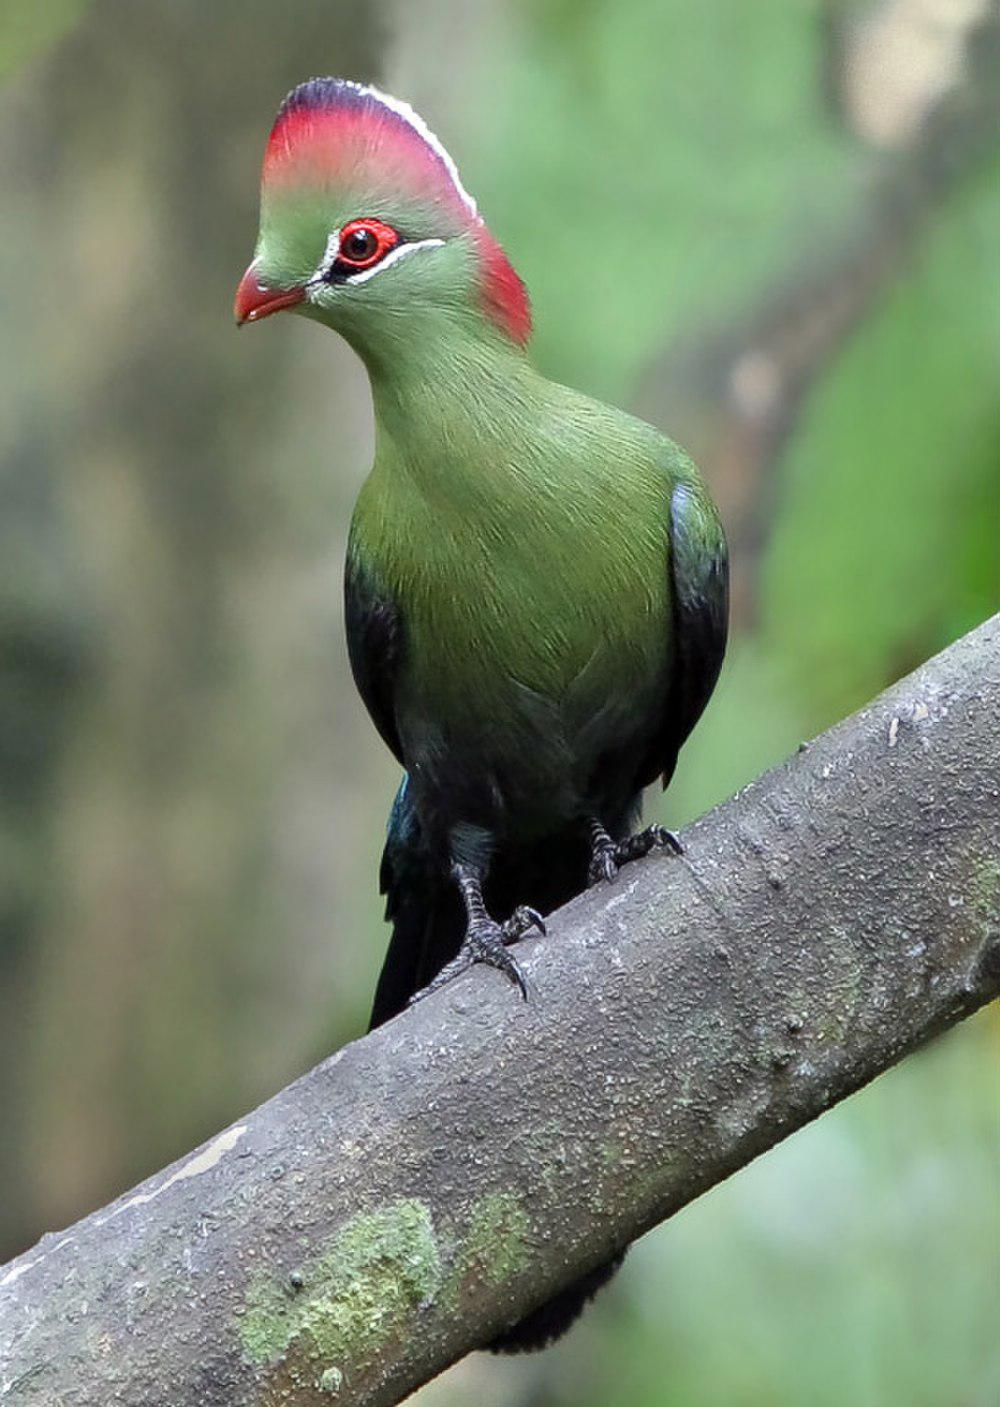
x=607 y=856
x=487 y=941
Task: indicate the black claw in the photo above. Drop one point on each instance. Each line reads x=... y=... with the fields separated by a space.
x=667 y=840
x=608 y=856
x=514 y=973
x=522 y=921
x=487 y=942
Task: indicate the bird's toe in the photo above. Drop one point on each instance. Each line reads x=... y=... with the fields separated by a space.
x=521 y=922
x=603 y=866
x=664 y=839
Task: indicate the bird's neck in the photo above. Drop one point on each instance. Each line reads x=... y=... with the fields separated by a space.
x=453 y=411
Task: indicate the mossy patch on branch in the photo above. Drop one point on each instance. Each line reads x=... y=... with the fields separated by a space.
x=353 y=1298
x=494 y=1248
x=986 y=893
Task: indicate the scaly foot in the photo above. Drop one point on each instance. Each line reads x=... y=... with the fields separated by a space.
x=487 y=941
x=607 y=856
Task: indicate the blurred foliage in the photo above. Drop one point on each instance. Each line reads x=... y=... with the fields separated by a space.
x=910 y=416
x=27 y=28
x=659 y=133
x=191 y=798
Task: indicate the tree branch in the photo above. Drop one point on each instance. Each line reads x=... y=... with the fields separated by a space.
x=428 y=1184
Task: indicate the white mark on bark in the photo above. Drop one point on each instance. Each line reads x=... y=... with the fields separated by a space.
x=620 y=899
x=893 y=732
x=201 y=1163
x=19 y=1270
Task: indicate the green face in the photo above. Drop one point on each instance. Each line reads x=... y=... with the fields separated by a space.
x=370 y=267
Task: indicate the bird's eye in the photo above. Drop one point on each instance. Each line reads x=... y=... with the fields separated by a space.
x=364 y=242
x=359 y=245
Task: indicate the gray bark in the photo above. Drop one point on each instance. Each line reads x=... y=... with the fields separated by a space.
x=428 y=1184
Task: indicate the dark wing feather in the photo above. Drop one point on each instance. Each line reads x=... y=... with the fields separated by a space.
x=699 y=568
x=374 y=645
x=425 y=913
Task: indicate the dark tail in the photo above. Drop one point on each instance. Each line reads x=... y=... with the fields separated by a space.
x=428 y=924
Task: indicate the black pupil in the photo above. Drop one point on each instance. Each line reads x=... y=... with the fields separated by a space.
x=360 y=244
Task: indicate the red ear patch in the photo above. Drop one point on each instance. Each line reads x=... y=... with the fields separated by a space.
x=505 y=297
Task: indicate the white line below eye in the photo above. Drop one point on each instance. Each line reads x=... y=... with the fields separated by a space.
x=401 y=251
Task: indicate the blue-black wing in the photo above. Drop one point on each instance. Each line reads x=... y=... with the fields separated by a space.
x=699 y=569
x=421 y=904
x=374 y=646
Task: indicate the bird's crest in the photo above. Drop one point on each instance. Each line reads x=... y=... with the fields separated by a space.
x=333 y=127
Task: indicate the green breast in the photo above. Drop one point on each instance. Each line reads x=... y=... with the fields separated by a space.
x=530 y=573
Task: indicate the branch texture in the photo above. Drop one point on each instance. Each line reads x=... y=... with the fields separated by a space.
x=426 y=1185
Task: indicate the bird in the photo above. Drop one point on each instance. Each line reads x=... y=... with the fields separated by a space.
x=536 y=583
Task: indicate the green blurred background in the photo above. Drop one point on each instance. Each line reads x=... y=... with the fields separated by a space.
x=770 y=227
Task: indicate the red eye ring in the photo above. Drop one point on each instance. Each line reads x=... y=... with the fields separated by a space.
x=363 y=243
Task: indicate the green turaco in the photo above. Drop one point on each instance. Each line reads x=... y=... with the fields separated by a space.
x=536 y=583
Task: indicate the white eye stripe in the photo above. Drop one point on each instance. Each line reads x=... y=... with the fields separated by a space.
x=401 y=251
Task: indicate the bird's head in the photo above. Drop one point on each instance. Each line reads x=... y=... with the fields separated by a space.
x=365 y=225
